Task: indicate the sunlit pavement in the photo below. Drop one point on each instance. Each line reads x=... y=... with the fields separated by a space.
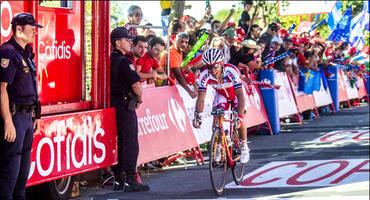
x=330 y=157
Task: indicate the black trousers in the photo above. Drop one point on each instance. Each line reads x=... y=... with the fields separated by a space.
x=15 y=157
x=128 y=144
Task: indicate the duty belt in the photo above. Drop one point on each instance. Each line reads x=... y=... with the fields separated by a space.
x=22 y=108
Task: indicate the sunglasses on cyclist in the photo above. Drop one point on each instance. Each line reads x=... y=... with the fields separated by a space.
x=214 y=66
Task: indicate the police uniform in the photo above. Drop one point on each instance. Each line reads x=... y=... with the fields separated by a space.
x=122 y=77
x=18 y=69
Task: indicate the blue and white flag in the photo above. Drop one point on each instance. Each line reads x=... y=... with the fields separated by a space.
x=343 y=28
x=334 y=15
x=317 y=25
x=367 y=14
x=358 y=24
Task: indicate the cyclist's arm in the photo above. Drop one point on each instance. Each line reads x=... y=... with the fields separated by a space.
x=199 y=106
x=241 y=102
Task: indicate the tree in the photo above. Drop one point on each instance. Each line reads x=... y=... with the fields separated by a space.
x=116 y=14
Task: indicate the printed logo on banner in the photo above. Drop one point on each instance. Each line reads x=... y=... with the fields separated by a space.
x=177 y=115
x=256 y=98
x=311 y=173
x=344 y=136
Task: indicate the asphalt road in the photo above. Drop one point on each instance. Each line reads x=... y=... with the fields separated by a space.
x=312 y=145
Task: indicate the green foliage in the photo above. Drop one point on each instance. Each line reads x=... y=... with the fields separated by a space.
x=222 y=14
x=117 y=14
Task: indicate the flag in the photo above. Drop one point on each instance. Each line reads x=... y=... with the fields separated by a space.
x=343 y=28
x=309 y=81
x=334 y=16
x=358 y=24
x=317 y=25
x=360 y=59
x=367 y=13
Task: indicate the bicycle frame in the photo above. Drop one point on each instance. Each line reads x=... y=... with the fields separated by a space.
x=220 y=116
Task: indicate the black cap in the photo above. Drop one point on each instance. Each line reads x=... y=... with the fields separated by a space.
x=24 y=19
x=120 y=32
x=273 y=27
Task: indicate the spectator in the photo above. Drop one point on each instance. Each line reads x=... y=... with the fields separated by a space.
x=176 y=57
x=280 y=65
x=276 y=43
x=148 y=64
x=245 y=18
x=267 y=37
x=246 y=61
x=310 y=61
x=176 y=27
x=135 y=15
x=215 y=25
x=226 y=23
x=229 y=36
x=139 y=48
x=254 y=32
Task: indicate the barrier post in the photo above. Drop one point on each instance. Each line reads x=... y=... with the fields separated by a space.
x=333 y=86
x=270 y=99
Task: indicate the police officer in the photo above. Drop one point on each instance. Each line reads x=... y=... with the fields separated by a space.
x=20 y=107
x=126 y=96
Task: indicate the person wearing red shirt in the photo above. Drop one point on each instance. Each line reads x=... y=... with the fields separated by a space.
x=147 y=66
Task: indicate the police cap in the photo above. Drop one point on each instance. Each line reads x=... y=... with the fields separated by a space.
x=120 y=32
x=24 y=19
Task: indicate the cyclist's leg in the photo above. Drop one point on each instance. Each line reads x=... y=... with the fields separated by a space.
x=243 y=128
x=244 y=149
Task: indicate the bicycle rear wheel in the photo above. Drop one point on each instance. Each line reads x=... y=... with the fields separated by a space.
x=238 y=168
x=217 y=168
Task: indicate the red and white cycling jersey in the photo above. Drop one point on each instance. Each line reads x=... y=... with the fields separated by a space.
x=231 y=80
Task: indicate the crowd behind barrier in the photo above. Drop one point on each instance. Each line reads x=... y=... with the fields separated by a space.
x=313 y=74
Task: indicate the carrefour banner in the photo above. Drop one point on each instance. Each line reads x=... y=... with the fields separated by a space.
x=204 y=133
x=164 y=126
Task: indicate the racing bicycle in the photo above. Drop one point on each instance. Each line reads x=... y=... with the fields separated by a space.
x=224 y=150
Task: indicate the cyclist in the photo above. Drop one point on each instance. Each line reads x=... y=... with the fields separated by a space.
x=225 y=79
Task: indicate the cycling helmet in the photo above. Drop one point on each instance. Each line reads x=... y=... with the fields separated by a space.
x=212 y=56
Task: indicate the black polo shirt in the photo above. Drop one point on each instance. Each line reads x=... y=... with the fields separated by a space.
x=122 y=74
x=18 y=69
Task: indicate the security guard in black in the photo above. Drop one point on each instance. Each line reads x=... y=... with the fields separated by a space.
x=20 y=108
x=125 y=96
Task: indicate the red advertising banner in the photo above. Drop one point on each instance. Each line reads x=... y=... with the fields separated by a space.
x=59 y=54
x=361 y=88
x=8 y=10
x=70 y=144
x=164 y=127
x=256 y=112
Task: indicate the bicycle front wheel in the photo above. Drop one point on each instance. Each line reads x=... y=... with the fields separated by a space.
x=238 y=168
x=217 y=162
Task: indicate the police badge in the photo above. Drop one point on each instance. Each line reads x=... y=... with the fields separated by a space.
x=132 y=67
x=26 y=69
x=4 y=63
